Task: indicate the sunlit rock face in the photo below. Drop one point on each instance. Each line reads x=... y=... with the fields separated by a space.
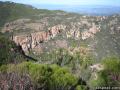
x=95 y=69
x=91 y=32
x=33 y=40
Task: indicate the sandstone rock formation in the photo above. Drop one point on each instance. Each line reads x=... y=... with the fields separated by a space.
x=33 y=40
x=91 y=32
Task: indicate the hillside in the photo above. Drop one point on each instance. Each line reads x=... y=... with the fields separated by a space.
x=10 y=11
x=74 y=51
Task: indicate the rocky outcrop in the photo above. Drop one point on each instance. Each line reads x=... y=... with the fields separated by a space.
x=56 y=30
x=88 y=33
x=95 y=69
x=73 y=33
x=32 y=41
x=91 y=32
x=30 y=34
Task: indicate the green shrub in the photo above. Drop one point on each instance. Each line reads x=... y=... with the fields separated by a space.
x=100 y=82
x=111 y=72
x=109 y=76
x=61 y=79
x=3 y=68
x=9 y=52
x=5 y=50
x=80 y=87
x=39 y=74
x=48 y=77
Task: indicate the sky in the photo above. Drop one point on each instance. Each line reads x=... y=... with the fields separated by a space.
x=68 y=2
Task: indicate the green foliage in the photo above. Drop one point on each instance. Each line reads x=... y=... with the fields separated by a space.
x=10 y=11
x=9 y=52
x=3 y=68
x=111 y=72
x=85 y=61
x=49 y=77
x=100 y=82
x=62 y=79
x=80 y=87
x=40 y=74
x=109 y=76
x=63 y=57
x=5 y=50
x=58 y=56
x=112 y=64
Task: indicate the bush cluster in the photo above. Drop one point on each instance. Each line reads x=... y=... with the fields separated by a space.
x=44 y=77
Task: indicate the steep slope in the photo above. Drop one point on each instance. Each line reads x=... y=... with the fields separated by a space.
x=11 y=11
x=10 y=52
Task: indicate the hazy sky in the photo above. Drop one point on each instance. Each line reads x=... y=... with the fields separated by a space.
x=69 y=2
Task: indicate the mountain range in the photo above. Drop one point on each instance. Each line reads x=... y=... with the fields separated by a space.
x=101 y=10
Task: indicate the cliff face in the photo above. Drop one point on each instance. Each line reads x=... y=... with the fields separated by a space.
x=33 y=40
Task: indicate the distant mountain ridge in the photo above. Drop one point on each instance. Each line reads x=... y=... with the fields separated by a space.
x=84 y=9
